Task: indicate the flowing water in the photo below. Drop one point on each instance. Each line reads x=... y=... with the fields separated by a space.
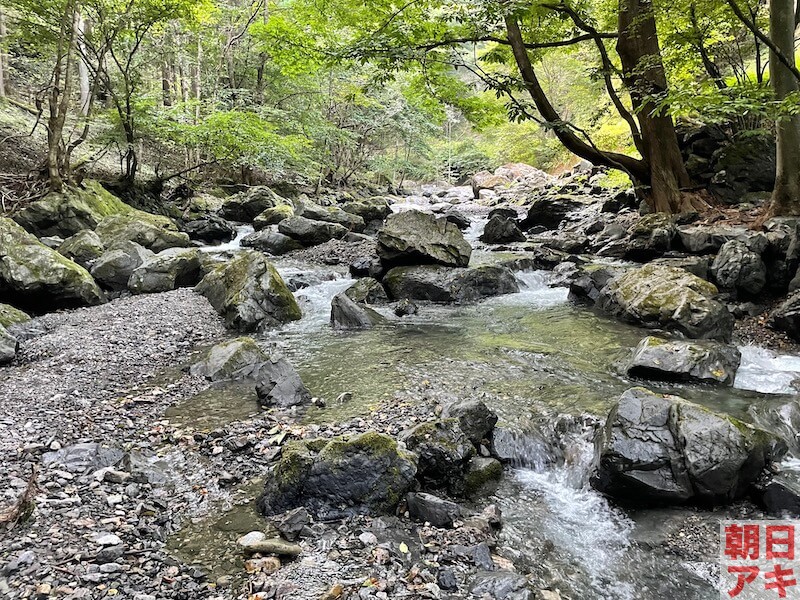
x=545 y=365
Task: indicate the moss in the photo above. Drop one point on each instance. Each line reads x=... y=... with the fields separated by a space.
x=292 y=469
x=11 y=316
x=480 y=474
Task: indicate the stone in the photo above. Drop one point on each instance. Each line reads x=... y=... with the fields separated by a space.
x=257 y=542
x=9 y=346
x=668 y=298
x=155 y=233
x=367 y=266
x=37 y=277
x=779 y=495
x=586 y=285
x=273 y=216
x=292 y=522
x=650 y=236
x=210 y=230
x=347 y=314
x=309 y=232
x=444 y=452
x=363 y=474
x=12 y=316
x=415 y=238
x=432 y=509
x=83 y=457
x=704 y=362
x=367 y=291
x=786 y=317
x=457 y=218
x=371 y=210
x=448 y=285
x=501 y=230
x=247 y=205
x=475 y=419
x=168 y=270
x=331 y=214
x=108 y=539
x=664 y=449
x=249 y=293
x=84 y=248
x=446 y=580
x=483 y=474
x=500 y=585
x=485 y=180
x=549 y=212
x=229 y=359
x=279 y=384
x=405 y=308
x=738 y=268
x=271 y=242
x=114 y=268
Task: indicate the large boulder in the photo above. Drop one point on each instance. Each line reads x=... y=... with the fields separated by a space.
x=309 y=232
x=249 y=293
x=708 y=239
x=707 y=362
x=165 y=271
x=365 y=474
x=33 y=275
x=549 y=212
x=8 y=346
x=786 y=317
x=367 y=291
x=247 y=205
x=273 y=216
x=664 y=449
x=501 y=230
x=84 y=248
x=447 y=285
x=738 y=268
x=348 y=314
x=154 y=233
x=271 y=242
x=476 y=420
x=114 y=268
x=279 y=384
x=331 y=214
x=12 y=316
x=650 y=236
x=64 y=214
x=670 y=298
x=374 y=209
x=229 y=360
x=416 y=238
x=210 y=230
x=444 y=452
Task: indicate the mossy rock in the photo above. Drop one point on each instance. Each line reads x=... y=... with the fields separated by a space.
x=84 y=248
x=482 y=476
x=153 y=232
x=273 y=216
x=11 y=316
x=227 y=359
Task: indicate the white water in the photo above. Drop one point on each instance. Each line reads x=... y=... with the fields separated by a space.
x=764 y=371
x=534 y=292
x=234 y=244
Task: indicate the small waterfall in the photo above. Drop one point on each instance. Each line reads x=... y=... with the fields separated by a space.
x=234 y=244
x=764 y=371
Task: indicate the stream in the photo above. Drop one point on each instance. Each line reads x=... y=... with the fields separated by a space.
x=542 y=364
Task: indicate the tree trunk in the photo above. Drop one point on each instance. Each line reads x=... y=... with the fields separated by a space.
x=81 y=28
x=58 y=99
x=643 y=74
x=166 y=81
x=786 y=195
x=196 y=83
x=3 y=56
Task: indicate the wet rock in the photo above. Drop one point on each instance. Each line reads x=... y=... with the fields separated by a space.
x=457 y=218
x=279 y=384
x=167 y=270
x=309 y=232
x=331 y=214
x=705 y=362
x=363 y=474
x=8 y=346
x=257 y=542
x=738 y=268
x=549 y=212
x=669 y=298
x=446 y=580
x=475 y=419
x=154 y=232
x=246 y=206
x=405 y=308
x=444 y=452
x=432 y=509
x=508 y=213
x=664 y=449
x=650 y=236
x=12 y=316
x=585 y=287
x=229 y=359
x=33 y=275
x=416 y=238
x=448 y=285
x=786 y=317
x=347 y=314
x=84 y=248
x=367 y=291
x=500 y=585
x=483 y=475
x=367 y=266
x=371 y=210
x=779 y=495
x=501 y=230
x=210 y=230
x=708 y=239
x=696 y=265
x=83 y=457
x=781 y=417
x=292 y=522
x=271 y=242
x=273 y=216
x=114 y=268
x=249 y=293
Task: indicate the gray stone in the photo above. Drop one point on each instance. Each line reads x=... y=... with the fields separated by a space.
x=309 y=232
x=432 y=509
x=272 y=242
x=549 y=212
x=738 y=268
x=331 y=214
x=229 y=360
x=786 y=317
x=210 y=230
x=247 y=205
x=448 y=285
x=84 y=248
x=501 y=230
x=414 y=238
x=168 y=270
x=292 y=522
x=444 y=452
x=8 y=346
x=475 y=419
x=367 y=291
x=706 y=362
x=257 y=542
x=154 y=233
x=83 y=457
x=279 y=384
x=114 y=268
x=273 y=216
x=347 y=314
x=482 y=476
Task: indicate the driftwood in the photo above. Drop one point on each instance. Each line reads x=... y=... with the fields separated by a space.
x=21 y=510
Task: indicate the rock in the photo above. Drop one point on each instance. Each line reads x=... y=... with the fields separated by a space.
x=457 y=218
x=549 y=212
x=483 y=474
x=291 y=523
x=500 y=585
x=664 y=449
x=485 y=180
x=309 y=232
x=708 y=239
x=781 y=418
x=650 y=236
x=83 y=457
x=432 y=509
x=108 y=539
x=33 y=275
x=273 y=216
x=229 y=359
x=8 y=346
x=154 y=233
x=347 y=314
x=246 y=206
x=696 y=265
x=738 y=268
x=505 y=212
x=272 y=242
x=257 y=542
x=12 y=316
x=405 y=308
x=786 y=317
x=363 y=474
x=585 y=287
x=167 y=270
x=84 y=248
x=501 y=230
x=444 y=452
x=367 y=266
x=374 y=209
x=331 y=214
x=64 y=214
x=446 y=580
x=779 y=495
x=249 y=293
x=475 y=419
x=449 y=285
x=669 y=298
x=279 y=384
x=706 y=362
x=114 y=268
x=211 y=230
x=416 y=238
x=367 y=291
